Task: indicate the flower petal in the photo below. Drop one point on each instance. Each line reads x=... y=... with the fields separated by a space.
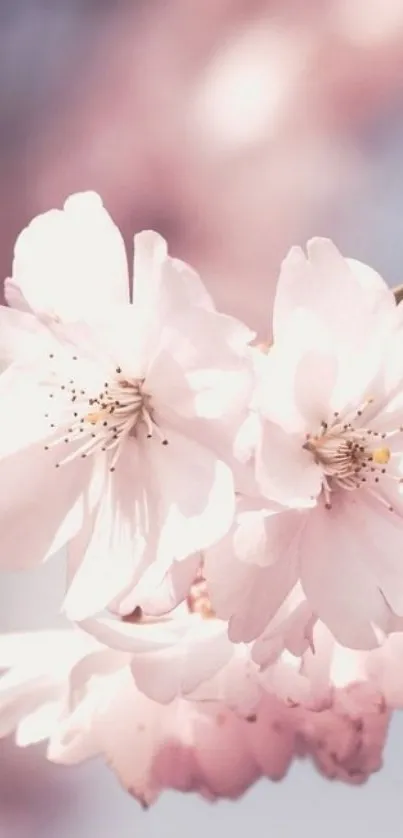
x=225 y=761
x=118 y=544
x=315 y=379
x=159 y=591
x=271 y=738
x=112 y=546
x=135 y=638
x=197 y=656
x=67 y=262
x=195 y=496
x=333 y=289
x=285 y=472
x=28 y=479
x=381 y=535
x=158 y=277
x=265 y=591
x=336 y=580
x=247 y=593
x=23 y=338
x=202 y=368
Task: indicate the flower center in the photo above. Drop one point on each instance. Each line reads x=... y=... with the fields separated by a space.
x=102 y=421
x=351 y=457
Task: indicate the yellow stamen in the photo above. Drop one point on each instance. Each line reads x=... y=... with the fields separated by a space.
x=93 y=418
x=381 y=456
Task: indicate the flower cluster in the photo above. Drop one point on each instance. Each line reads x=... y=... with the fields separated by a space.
x=232 y=512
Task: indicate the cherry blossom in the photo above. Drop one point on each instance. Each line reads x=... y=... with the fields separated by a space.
x=118 y=412
x=233 y=513
x=189 y=654
x=328 y=451
x=346 y=739
x=93 y=707
x=80 y=696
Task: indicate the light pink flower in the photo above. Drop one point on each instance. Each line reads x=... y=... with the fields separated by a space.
x=174 y=656
x=346 y=740
x=330 y=445
x=189 y=655
x=80 y=695
x=113 y=412
x=94 y=708
x=347 y=737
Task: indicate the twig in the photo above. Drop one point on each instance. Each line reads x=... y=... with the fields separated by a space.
x=398 y=292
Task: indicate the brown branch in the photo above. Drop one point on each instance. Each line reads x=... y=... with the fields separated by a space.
x=398 y=292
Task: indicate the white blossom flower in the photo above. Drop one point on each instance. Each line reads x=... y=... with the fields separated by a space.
x=329 y=451
x=117 y=415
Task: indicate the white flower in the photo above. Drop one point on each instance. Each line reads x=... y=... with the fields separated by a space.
x=329 y=449
x=117 y=416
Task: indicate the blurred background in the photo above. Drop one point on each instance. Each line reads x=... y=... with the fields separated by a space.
x=236 y=128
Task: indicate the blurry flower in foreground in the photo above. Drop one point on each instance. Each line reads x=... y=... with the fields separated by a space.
x=189 y=654
x=94 y=708
x=329 y=450
x=81 y=696
x=113 y=412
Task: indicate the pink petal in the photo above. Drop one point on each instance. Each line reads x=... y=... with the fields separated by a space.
x=265 y=591
x=195 y=495
x=333 y=289
x=158 y=277
x=384 y=670
x=285 y=472
x=14 y=296
x=378 y=297
x=291 y=629
x=248 y=593
x=236 y=684
x=202 y=368
x=113 y=547
x=38 y=664
x=23 y=338
x=135 y=638
x=337 y=582
x=25 y=477
x=197 y=656
x=223 y=757
x=160 y=591
x=271 y=738
x=347 y=740
x=38 y=725
x=130 y=724
x=164 y=289
x=66 y=261
x=315 y=379
x=381 y=545
x=74 y=739
x=126 y=521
